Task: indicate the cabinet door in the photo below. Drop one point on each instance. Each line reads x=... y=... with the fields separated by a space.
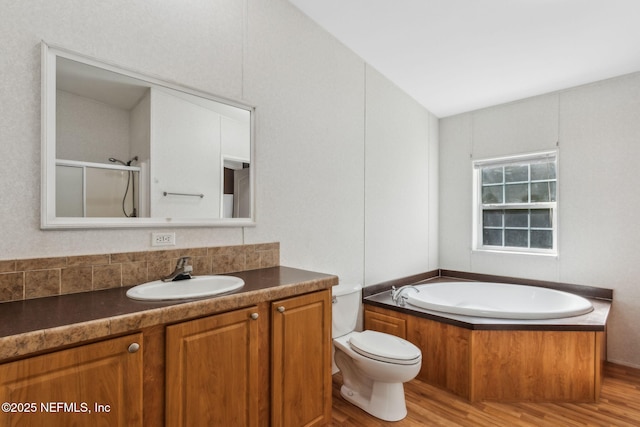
x=301 y=360
x=94 y=385
x=389 y=322
x=212 y=371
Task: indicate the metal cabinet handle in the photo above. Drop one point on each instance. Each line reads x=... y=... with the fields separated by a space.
x=254 y=316
x=281 y=309
x=133 y=347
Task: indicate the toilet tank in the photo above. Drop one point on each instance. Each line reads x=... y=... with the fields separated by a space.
x=346 y=305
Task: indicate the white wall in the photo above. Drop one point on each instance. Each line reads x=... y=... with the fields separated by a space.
x=311 y=96
x=90 y=131
x=397 y=190
x=596 y=128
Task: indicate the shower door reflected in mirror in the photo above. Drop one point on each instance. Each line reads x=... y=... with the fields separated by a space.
x=86 y=189
x=121 y=149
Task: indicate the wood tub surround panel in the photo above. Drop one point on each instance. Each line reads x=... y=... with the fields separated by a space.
x=445 y=354
x=501 y=365
x=445 y=348
x=601 y=345
x=534 y=366
x=391 y=323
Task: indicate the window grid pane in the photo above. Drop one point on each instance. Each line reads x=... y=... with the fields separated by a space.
x=529 y=183
x=521 y=228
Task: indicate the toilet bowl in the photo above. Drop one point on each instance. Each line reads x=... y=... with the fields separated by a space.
x=374 y=365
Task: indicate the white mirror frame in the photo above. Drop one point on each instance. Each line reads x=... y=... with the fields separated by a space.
x=48 y=152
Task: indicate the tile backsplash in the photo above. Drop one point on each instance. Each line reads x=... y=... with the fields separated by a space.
x=42 y=277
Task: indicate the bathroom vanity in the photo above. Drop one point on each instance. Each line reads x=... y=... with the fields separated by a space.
x=258 y=356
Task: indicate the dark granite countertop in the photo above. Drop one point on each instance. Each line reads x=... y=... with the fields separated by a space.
x=39 y=324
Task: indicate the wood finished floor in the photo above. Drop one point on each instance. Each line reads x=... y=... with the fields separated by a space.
x=427 y=405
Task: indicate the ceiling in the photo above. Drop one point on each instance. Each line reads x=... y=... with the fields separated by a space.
x=454 y=56
x=108 y=87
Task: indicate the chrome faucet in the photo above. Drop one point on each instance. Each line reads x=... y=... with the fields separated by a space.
x=396 y=294
x=181 y=272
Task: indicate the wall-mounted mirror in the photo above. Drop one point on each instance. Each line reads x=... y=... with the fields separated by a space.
x=121 y=149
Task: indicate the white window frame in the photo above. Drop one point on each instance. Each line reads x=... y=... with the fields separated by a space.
x=479 y=207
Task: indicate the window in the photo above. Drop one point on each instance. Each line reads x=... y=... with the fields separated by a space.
x=516 y=203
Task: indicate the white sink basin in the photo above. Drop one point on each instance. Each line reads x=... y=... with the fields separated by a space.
x=196 y=287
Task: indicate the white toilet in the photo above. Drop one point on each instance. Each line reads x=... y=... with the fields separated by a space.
x=373 y=365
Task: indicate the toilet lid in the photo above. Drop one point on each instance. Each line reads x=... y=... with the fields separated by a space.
x=385 y=347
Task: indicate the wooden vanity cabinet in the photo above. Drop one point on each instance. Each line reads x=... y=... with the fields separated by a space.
x=218 y=368
x=301 y=360
x=267 y=364
x=212 y=370
x=97 y=384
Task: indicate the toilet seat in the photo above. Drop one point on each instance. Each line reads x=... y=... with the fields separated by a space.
x=385 y=348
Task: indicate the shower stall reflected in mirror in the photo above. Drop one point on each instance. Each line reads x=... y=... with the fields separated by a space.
x=85 y=189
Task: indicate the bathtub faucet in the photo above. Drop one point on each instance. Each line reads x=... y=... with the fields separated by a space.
x=396 y=294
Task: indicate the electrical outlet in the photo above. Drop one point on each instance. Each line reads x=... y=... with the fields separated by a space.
x=163 y=239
